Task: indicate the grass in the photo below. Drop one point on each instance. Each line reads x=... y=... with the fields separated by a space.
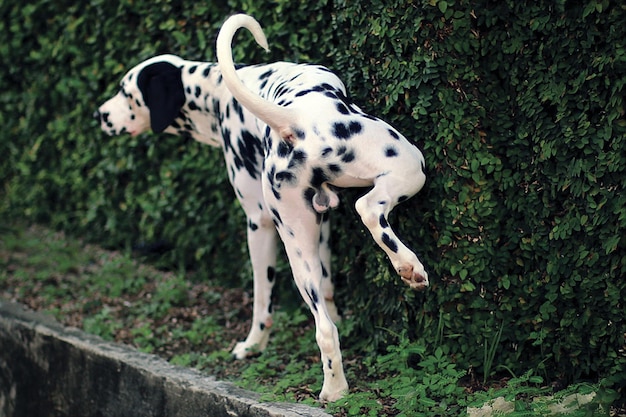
x=196 y=324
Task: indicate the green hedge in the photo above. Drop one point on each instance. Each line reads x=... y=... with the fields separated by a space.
x=518 y=106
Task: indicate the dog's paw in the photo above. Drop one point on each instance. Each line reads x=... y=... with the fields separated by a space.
x=415 y=278
x=242 y=351
x=333 y=391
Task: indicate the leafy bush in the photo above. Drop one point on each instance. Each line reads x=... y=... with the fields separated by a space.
x=518 y=106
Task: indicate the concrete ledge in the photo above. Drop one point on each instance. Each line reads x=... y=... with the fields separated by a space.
x=49 y=370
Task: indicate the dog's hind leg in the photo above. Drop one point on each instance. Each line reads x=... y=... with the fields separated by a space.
x=328 y=288
x=299 y=226
x=374 y=208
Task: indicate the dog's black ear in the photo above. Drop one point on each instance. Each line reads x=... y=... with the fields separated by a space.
x=162 y=88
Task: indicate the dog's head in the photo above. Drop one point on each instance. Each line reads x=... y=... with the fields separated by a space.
x=150 y=97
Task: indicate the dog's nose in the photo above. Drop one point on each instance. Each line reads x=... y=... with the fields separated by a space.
x=97 y=115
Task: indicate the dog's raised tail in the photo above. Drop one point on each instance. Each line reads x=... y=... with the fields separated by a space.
x=279 y=118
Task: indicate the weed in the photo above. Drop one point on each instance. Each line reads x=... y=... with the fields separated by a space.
x=118 y=276
x=201 y=329
x=490 y=352
x=144 y=337
x=102 y=324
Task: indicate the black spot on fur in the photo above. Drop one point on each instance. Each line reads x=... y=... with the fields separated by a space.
x=341 y=108
x=266 y=74
x=298 y=157
x=272 y=181
x=284 y=149
x=313 y=297
x=318 y=177
x=193 y=69
x=253 y=226
x=206 y=71
x=346 y=130
x=326 y=151
x=355 y=127
x=309 y=193
x=390 y=243
x=393 y=134
x=390 y=152
x=348 y=157
x=262 y=326
x=276 y=216
x=248 y=148
x=324 y=270
x=276 y=194
x=383 y=221
x=298 y=132
x=238 y=109
x=198 y=91
x=283 y=88
x=285 y=176
x=341 y=131
x=334 y=168
x=226 y=138
x=271 y=273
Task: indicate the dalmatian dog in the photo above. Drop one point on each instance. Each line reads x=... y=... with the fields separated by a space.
x=290 y=139
x=315 y=140
x=188 y=98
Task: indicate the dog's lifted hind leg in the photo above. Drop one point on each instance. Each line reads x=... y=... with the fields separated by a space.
x=374 y=208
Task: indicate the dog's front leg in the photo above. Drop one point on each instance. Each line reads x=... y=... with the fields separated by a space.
x=262 y=248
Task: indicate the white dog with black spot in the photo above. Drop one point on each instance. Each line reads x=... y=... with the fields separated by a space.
x=290 y=139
